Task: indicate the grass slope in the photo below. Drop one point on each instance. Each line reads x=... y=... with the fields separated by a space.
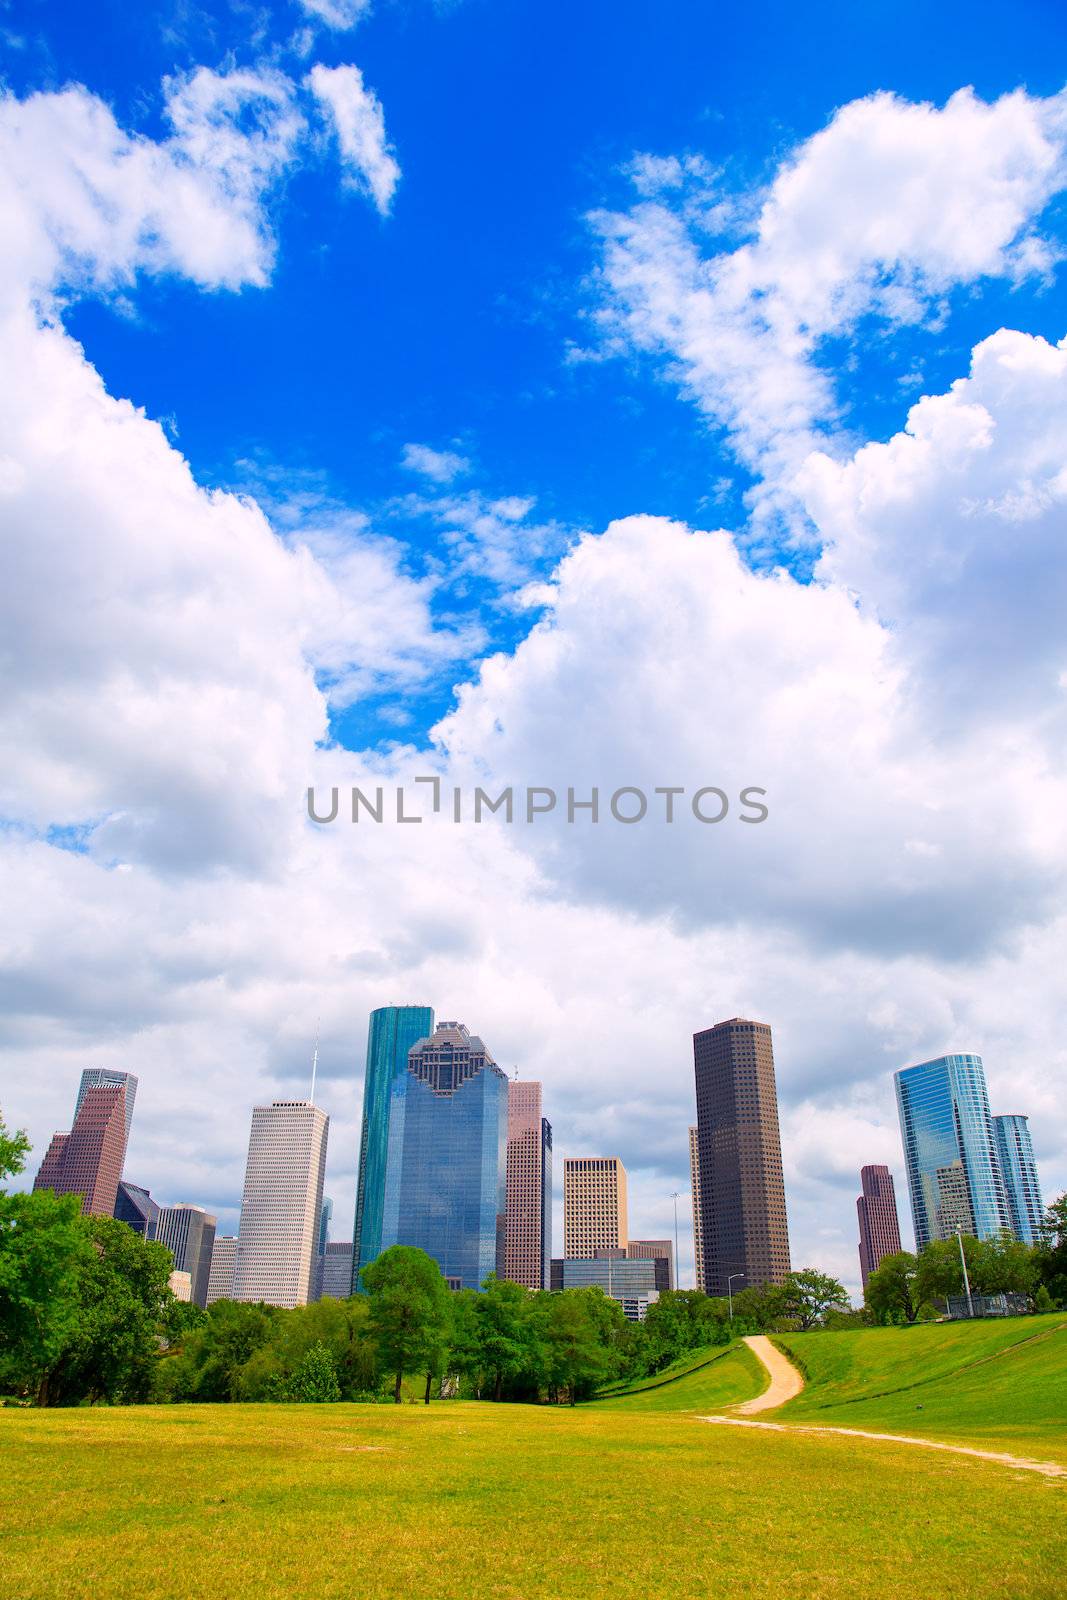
x=1001 y=1385
x=461 y=1501
x=704 y=1380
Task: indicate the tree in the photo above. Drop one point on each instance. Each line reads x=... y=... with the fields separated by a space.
x=892 y=1291
x=214 y=1355
x=577 y=1361
x=940 y=1273
x=1003 y=1265
x=315 y=1379
x=1050 y=1257
x=679 y=1321
x=410 y=1310
x=808 y=1295
x=502 y=1330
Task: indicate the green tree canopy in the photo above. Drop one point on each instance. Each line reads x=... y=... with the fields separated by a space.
x=807 y=1295
x=410 y=1311
x=892 y=1291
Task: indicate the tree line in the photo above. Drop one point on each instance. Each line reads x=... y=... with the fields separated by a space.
x=86 y=1316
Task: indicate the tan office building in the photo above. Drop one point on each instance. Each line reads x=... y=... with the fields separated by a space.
x=594 y=1206
x=277 y=1242
x=528 y=1223
x=694 y=1192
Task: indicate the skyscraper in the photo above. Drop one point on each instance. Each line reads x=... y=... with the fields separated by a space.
x=88 y=1160
x=1019 y=1171
x=594 y=1205
x=742 y=1193
x=336 y=1271
x=876 y=1209
x=189 y=1234
x=446 y=1166
x=954 y=1178
x=281 y=1206
x=393 y=1030
x=135 y=1207
x=694 y=1196
x=107 y=1078
x=223 y=1260
x=528 y=1242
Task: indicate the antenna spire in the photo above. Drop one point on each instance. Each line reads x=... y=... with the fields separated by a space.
x=315 y=1061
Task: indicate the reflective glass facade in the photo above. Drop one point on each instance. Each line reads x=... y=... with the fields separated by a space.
x=1019 y=1170
x=446 y=1168
x=954 y=1177
x=393 y=1031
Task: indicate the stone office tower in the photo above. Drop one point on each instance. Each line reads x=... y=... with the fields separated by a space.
x=742 y=1194
x=528 y=1229
x=876 y=1209
x=694 y=1195
x=281 y=1207
x=594 y=1206
x=88 y=1160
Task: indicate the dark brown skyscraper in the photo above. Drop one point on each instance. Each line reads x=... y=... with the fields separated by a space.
x=742 y=1195
x=877 y=1210
x=88 y=1160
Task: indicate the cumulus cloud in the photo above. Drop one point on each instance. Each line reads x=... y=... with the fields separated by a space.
x=338 y=14
x=441 y=466
x=882 y=212
x=359 y=125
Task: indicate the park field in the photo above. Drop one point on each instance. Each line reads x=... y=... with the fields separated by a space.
x=461 y=1500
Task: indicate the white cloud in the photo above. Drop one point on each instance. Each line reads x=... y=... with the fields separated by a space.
x=882 y=212
x=338 y=14
x=441 y=466
x=359 y=123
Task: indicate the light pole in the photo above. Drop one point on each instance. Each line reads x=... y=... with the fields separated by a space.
x=729 y=1291
x=966 y=1279
x=675 y=1273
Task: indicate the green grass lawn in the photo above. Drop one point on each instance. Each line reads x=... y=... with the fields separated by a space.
x=705 y=1380
x=461 y=1501
x=996 y=1384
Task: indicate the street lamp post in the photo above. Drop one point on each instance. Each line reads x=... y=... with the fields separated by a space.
x=966 y=1279
x=729 y=1291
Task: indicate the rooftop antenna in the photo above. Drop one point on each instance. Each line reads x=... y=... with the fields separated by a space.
x=315 y=1061
x=515 y=1070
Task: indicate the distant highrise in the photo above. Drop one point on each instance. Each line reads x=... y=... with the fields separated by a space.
x=742 y=1192
x=594 y=1205
x=633 y=1283
x=877 y=1212
x=528 y=1240
x=446 y=1167
x=223 y=1261
x=281 y=1206
x=107 y=1078
x=189 y=1234
x=135 y=1207
x=393 y=1030
x=336 y=1271
x=325 y=1218
x=661 y=1250
x=1019 y=1171
x=694 y=1195
x=954 y=1178
x=88 y=1160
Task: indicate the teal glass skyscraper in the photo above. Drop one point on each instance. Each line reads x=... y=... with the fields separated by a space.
x=1019 y=1170
x=954 y=1177
x=393 y=1030
x=446 y=1169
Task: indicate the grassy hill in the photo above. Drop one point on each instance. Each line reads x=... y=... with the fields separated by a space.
x=997 y=1383
x=704 y=1380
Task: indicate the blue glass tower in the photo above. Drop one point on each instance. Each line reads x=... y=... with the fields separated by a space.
x=393 y=1031
x=446 y=1171
x=1019 y=1169
x=954 y=1177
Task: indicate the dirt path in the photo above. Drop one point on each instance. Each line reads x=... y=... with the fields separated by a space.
x=786 y=1382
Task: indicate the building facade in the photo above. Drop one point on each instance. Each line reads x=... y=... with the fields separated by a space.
x=1019 y=1172
x=189 y=1234
x=281 y=1205
x=528 y=1229
x=88 y=1160
x=661 y=1250
x=107 y=1078
x=594 y=1206
x=631 y=1282
x=876 y=1209
x=223 y=1261
x=694 y=1196
x=954 y=1177
x=336 y=1271
x=392 y=1032
x=135 y=1207
x=744 y=1227
x=446 y=1165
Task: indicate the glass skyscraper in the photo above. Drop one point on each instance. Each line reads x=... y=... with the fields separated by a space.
x=954 y=1177
x=393 y=1031
x=1019 y=1171
x=446 y=1165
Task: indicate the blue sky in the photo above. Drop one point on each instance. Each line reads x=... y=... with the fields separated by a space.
x=648 y=270
x=449 y=321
